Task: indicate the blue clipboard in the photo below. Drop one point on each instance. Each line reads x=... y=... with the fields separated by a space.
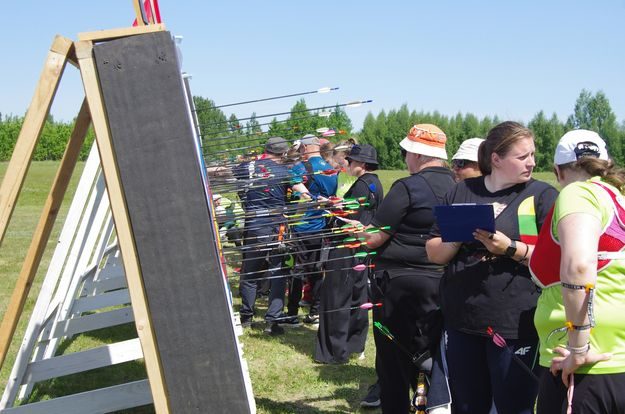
x=457 y=222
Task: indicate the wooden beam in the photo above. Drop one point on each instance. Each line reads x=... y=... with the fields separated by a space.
x=43 y=230
x=110 y=34
x=31 y=129
x=84 y=52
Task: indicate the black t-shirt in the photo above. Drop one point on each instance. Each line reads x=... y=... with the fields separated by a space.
x=369 y=186
x=263 y=191
x=479 y=289
x=407 y=209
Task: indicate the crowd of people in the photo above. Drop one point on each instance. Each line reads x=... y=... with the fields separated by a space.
x=522 y=318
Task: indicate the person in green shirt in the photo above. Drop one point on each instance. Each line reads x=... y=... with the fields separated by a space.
x=579 y=263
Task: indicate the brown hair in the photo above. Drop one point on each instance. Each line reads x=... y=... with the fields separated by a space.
x=326 y=151
x=606 y=169
x=293 y=155
x=343 y=147
x=499 y=141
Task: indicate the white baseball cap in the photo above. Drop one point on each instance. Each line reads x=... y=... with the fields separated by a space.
x=468 y=149
x=578 y=144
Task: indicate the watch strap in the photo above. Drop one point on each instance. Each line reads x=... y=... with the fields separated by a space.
x=511 y=250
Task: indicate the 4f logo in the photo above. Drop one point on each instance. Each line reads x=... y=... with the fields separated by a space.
x=524 y=350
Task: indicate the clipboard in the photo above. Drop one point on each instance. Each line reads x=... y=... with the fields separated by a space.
x=457 y=222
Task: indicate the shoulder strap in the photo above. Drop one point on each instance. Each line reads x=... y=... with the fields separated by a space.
x=371 y=198
x=619 y=210
x=310 y=173
x=439 y=199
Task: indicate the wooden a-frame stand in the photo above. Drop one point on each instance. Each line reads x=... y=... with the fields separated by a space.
x=80 y=54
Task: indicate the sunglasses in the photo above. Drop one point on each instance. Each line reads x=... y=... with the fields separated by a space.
x=460 y=163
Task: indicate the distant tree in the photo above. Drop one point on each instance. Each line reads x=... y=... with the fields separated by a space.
x=212 y=121
x=301 y=121
x=594 y=113
x=252 y=126
x=278 y=129
x=10 y=128
x=340 y=122
x=547 y=133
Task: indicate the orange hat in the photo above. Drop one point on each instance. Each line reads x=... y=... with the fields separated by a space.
x=426 y=139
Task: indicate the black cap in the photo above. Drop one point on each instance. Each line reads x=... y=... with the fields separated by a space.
x=276 y=145
x=364 y=153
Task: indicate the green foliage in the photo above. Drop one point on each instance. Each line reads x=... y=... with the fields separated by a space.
x=211 y=121
x=594 y=113
x=386 y=131
x=301 y=122
x=224 y=137
x=9 y=130
x=52 y=142
x=547 y=133
x=340 y=122
x=252 y=126
x=591 y=112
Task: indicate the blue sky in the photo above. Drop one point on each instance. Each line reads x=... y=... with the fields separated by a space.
x=503 y=58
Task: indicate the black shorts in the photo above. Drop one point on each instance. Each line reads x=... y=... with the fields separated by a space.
x=596 y=394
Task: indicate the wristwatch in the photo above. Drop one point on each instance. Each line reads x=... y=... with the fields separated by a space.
x=511 y=250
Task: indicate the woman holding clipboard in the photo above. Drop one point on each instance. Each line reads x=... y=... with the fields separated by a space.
x=487 y=283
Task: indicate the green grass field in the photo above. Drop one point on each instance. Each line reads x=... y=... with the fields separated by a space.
x=285 y=379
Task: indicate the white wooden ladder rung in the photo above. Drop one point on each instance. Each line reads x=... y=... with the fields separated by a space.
x=86 y=323
x=103 y=356
x=103 y=400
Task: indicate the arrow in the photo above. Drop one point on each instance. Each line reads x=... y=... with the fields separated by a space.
x=356 y=268
x=417 y=360
x=364 y=306
x=320 y=91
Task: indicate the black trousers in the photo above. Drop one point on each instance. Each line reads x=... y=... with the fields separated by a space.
x=343 y=332
x=307 y=265
x=411 y=313
x=254 y=261
x=482 y=373
x=593 y=394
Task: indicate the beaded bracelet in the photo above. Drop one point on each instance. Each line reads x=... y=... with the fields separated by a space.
x=579 y=350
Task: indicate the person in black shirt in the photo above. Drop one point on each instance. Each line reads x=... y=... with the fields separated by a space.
x=487 y=286
x=342 y=333
x=408 y=281
x=263 y=228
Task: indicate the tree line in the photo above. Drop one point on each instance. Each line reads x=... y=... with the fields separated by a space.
x=591 y=111
x=52 y=142
x=226 y=136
